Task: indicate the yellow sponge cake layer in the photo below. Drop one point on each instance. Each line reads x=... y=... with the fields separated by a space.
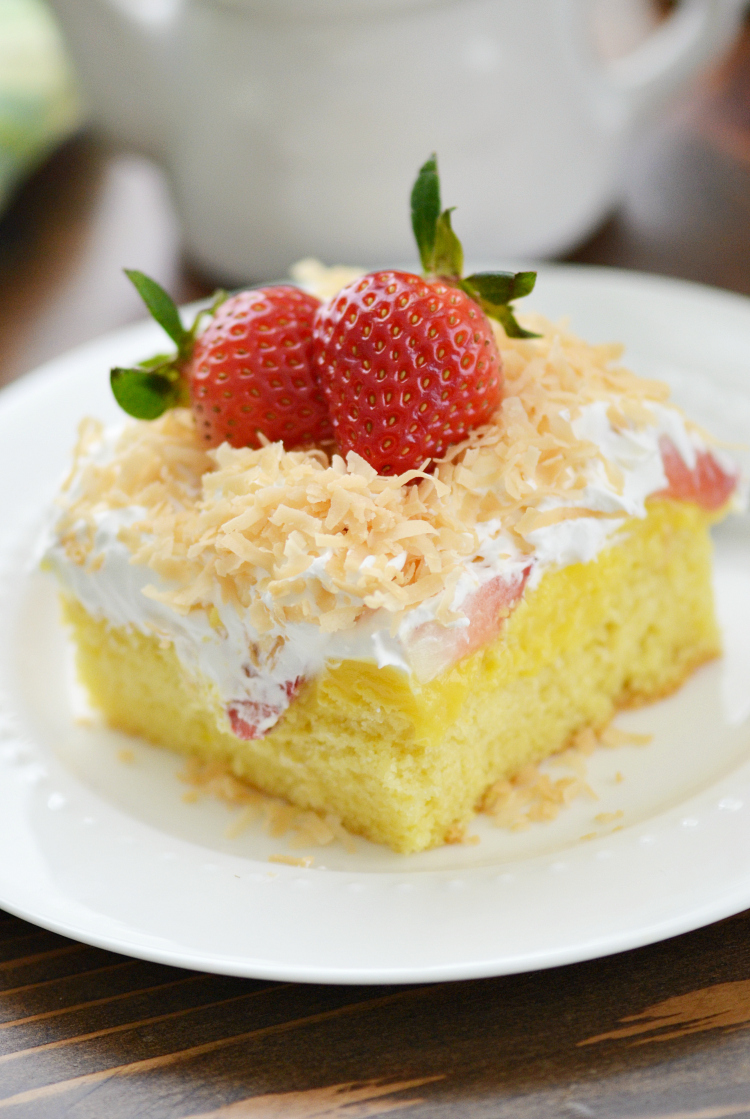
x=405 y=764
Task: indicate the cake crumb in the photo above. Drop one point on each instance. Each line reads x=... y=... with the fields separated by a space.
x=127 y=757
x=241 y=822
x=308 y=828
x=456 y=834
x=536 y=794
x=585 y=741
x=589 y=835
x=614 y=736
x=533 y=796
x=608 y=817
x=292 y=860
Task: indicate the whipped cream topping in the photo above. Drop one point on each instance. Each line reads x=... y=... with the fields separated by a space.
x=256 y=675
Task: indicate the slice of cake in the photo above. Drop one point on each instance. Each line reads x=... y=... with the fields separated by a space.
x=378 y=643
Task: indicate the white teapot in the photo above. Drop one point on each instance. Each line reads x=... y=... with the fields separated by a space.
x=293 y=128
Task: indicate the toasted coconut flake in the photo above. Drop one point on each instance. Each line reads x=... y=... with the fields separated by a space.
x=308 y=828
x=533 y=795
x=321 y=281
x=608 y=817
x=613 y=736
x=292 y=860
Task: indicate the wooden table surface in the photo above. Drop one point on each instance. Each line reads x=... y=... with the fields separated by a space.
x=657 y=1032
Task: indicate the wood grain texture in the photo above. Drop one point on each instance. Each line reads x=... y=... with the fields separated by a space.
x=658 y=1033
x=722 y=1006
x=337 y=1100
x=550 y=1043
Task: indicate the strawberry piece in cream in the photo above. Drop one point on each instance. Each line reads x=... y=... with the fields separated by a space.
x=250 y=719
x=247 y=718
x=707 y=484
x=433 y=647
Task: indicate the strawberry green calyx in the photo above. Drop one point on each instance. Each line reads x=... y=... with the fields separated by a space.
x=494 y=291
x=147 y=390
x=146 y=393
x=442 y=256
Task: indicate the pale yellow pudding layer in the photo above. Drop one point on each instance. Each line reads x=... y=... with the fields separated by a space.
x=405 y=764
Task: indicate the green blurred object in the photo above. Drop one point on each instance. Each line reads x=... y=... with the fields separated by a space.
x=39 y=101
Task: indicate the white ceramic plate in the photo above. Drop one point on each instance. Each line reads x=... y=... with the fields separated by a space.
x=109 y=853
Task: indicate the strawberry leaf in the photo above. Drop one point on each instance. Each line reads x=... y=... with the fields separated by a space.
x=448 y=257
x=160 y=305
x=146 y=393
x=501 y=287
x=493 y=292
x=425 y=211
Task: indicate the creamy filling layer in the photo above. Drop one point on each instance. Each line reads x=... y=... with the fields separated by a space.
x=256 y=686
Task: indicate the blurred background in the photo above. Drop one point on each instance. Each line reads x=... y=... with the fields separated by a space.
x=84 y=192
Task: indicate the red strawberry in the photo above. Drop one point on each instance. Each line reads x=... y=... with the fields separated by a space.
x=250 y=371
x=409 y=366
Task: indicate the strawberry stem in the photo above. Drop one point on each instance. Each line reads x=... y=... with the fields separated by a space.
x=442 y=256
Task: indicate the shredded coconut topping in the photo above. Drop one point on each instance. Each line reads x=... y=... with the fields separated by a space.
x=303 y=537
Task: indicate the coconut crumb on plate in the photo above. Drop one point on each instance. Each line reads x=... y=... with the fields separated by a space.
x=308 y=828
x=530 y=796
x=292 y=860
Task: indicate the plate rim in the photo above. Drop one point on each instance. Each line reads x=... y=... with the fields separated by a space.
x=29 y=385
